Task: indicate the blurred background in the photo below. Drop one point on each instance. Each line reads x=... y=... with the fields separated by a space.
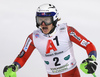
x=17 y=21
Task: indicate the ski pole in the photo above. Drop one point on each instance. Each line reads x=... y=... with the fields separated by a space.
x=94 y=74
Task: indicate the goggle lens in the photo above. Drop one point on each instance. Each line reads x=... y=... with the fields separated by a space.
x=46 y=20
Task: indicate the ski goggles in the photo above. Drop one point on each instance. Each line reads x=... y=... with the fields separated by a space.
x=46 y=20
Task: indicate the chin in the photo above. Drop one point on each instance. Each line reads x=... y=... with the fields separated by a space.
x=45 y=33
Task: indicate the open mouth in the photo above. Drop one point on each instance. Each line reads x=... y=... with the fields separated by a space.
x=44 y=28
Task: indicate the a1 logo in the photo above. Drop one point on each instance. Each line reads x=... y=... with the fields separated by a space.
x=50 y=46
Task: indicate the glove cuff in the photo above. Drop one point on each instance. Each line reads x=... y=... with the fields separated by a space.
x=15 y=67
x=92 y=57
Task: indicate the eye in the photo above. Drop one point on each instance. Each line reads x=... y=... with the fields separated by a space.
x=40 y=19
x=47 y=19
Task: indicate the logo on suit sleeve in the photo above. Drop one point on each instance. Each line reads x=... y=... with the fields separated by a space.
x=21 y=54
x=27 y=44
x=75 y=36
x=84 y=43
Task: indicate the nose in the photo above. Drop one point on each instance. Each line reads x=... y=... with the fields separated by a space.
x=43 y=23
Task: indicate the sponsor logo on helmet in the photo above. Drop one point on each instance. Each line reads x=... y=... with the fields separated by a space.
x=43 y=10
x=43 y=13
x=52 y=7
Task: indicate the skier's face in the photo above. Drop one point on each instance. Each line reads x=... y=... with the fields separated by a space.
x=46 y=28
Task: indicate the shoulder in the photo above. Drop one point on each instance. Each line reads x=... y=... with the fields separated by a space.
x=70 y=28
x=65 y=26
x=38 y=31
x=34 y=33
x=62 y=26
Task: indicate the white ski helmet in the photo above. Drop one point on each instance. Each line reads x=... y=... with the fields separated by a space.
x=47 y=10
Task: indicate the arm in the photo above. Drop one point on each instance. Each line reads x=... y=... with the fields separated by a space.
x=88 y=65
x=80 y=40
x=10 y=71
x=26 y=52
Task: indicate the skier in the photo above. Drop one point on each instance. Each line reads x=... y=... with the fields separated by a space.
x=54 y=42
